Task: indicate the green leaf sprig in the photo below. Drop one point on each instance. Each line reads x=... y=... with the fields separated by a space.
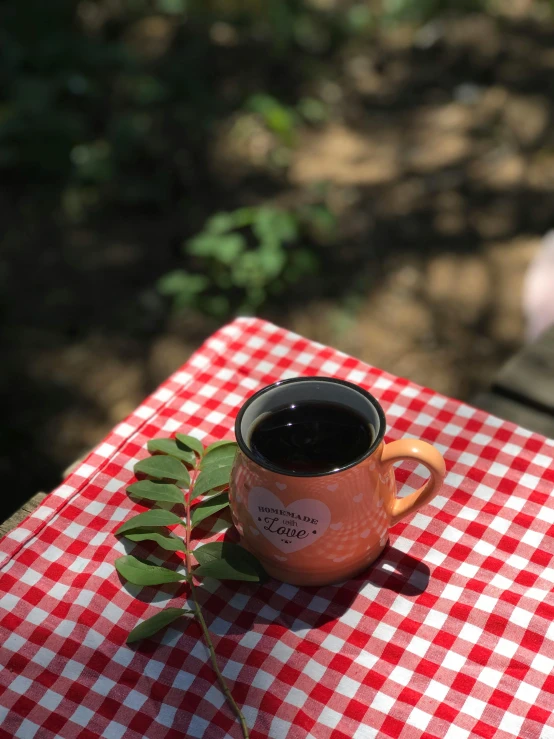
x=179 y=472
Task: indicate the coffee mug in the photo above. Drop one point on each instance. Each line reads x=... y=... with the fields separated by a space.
x=319 y=528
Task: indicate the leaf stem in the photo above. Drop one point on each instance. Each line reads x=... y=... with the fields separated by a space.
x=220 y=678
x=200 y=617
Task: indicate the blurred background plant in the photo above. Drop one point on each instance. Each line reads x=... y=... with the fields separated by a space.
x=236 y=276
x=375 y=174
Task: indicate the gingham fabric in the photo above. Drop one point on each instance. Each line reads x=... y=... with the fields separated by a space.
x=449 y=635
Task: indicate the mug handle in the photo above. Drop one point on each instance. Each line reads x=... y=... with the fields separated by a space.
x=425 y=454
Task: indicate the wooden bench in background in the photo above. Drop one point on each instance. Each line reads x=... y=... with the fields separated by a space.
x=523 y=390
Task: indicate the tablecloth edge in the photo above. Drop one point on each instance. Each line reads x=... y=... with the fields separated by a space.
x=157 y=405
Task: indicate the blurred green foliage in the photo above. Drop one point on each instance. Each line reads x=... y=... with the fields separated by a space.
x=397 y=11
x=247 y=255
x=112 y=103
x=86 y=106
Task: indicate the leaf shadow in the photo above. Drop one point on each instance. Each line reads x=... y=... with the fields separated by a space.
x=156 y=555
x=215 y=524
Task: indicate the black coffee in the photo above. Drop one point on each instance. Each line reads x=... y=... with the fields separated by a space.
x=311 y=437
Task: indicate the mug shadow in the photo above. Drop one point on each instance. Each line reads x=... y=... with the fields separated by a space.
x=234 y=608
x=399 y=572
x=301 y=609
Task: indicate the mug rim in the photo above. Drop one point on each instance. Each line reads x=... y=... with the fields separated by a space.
x=273 y=468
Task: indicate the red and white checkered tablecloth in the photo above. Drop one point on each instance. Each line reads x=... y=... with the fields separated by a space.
x=449 y=635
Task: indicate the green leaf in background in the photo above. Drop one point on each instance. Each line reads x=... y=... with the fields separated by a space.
x=226 y=561
x=223 y=247
x=277 y=117
x=164 y=468
x=161 y=492
x=149 y=518
x=208 y=508
x=139 y=572
x=221 y=223
x=320 y=221
x=154 y=624
x=272 y=259
x=312 y=110
x=163 y=538
x=272 y=224
x=191 y=443
x=182 y=283
x=209 y=479
x=173 y=448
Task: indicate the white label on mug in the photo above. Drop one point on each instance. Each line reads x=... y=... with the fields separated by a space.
x=289 y=528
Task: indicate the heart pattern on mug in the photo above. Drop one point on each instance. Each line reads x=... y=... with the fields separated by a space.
x=281 y=485
x=332 y=488
x=289 y=528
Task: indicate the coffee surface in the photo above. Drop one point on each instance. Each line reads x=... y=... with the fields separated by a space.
x=311 y=437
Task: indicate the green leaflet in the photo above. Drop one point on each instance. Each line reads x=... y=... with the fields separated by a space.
x=164 y=468
x=174 y=448
x=164 y=538
x=221 y=456
x=154 y=624
x=161 y=492
x=227 y=561
x=208 y=508
x=222 y=570
x=139 y=572
x=209 y=479
x=149 y=518
x=191 y=443
x=218 y=444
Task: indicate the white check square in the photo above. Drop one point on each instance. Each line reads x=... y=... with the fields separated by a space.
x=348 y=687
x=490 y=677
x=282 y=652
x=419 y=719
x=114 y=730
x=329 y=717
x=314 y=670
x=279 y=728
x=511 y=723
x=473 y=707
x=418 y=646
x=383 y=703
x=437 y=691
x=527 y=693
x=401 y=675
x=50 y=700
x=296 y=697
x=506 y=647
x=197 y=728
x=471 y=633
x=27 y=730
x=82 y=716
x=37 y=616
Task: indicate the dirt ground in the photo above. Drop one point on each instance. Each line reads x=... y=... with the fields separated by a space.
x=439 y=163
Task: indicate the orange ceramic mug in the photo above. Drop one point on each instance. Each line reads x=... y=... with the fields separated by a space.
x=316 y=529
